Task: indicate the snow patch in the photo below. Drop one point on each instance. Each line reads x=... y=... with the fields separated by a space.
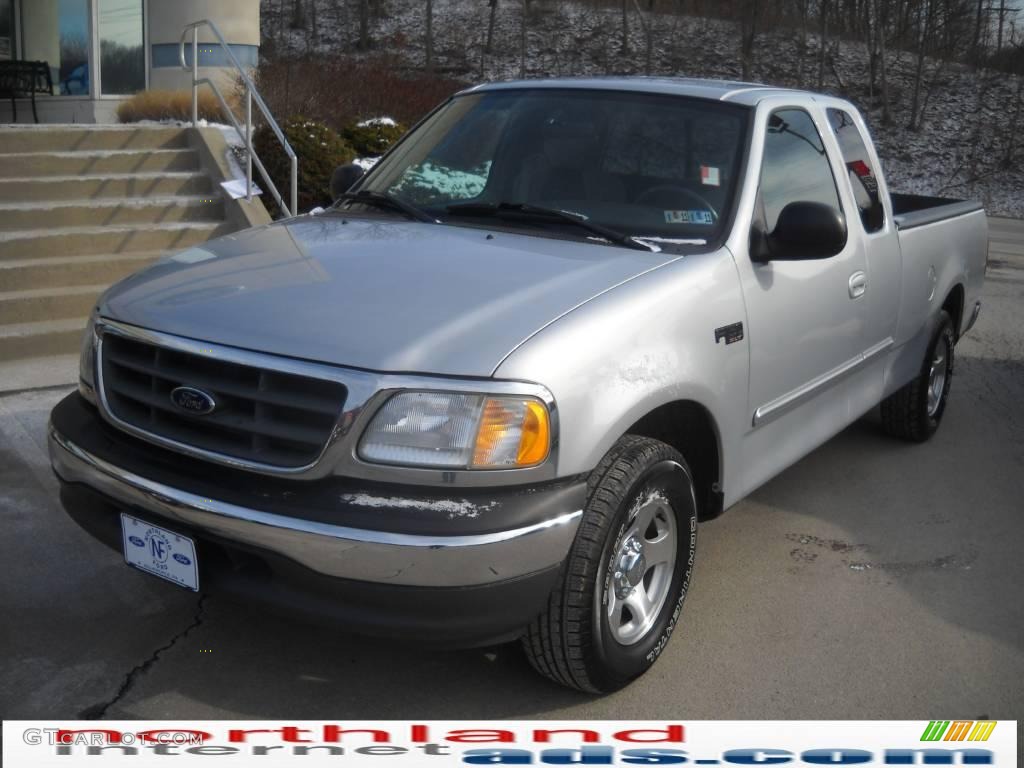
x=366 y=163
x=375 y=121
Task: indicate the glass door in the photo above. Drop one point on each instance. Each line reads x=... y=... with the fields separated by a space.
x=7 y=46
x=122 y=52
x=57 y=32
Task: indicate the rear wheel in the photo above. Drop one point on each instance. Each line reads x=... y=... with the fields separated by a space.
x=915 y=411
x=627 y=573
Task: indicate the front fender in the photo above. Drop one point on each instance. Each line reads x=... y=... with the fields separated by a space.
x=646 y=343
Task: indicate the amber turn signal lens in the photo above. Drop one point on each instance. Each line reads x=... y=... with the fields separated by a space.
x=513 y=432
x=536 y=438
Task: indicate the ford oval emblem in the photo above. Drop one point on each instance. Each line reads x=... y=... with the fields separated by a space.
x=182 y=559
x=192 y=400
x=136 y=541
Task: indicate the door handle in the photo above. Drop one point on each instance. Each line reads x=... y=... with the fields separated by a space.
x=858 y=284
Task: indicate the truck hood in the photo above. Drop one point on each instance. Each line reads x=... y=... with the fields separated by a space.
x=373 y=293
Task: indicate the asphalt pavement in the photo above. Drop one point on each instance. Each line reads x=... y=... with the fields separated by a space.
x=874 y=579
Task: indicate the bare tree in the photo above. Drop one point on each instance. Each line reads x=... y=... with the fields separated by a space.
x=298 y=20
x=802 y=8
x=430 y=35
x=490 y=26
x=522 y=38
x=925 y=18
x=364 y=24
x=880 y=25
x=823 y=8
x=979 y=16
x=648 y=27
x=313 y=33
x=624 y=46
x=1009 y=156
x=1002 y=23
x=750 y=12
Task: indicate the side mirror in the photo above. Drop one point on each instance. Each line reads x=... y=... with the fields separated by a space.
x=344 y=178
x=807 y=230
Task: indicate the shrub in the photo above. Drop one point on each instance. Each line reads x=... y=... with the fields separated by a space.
x=169 y=105
x=370 y=138
x=320 y=150
x=341 y=90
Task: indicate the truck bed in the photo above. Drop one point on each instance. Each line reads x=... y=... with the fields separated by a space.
x=953 y=249
x=911 y=211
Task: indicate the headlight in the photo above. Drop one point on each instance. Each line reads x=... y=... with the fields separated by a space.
x=87 y=361
x=436 y=429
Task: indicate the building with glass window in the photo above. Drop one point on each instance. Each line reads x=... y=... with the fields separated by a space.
x=100 y=51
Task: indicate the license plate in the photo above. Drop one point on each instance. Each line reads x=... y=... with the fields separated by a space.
x=160 y=552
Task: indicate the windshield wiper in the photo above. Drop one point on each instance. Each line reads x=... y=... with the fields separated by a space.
x=539 y=211
x=387 y=200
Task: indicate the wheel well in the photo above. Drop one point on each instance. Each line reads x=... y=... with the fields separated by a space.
x=688 y=427
x=954 y=305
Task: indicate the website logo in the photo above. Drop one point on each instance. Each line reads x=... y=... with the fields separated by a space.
x=958 y=730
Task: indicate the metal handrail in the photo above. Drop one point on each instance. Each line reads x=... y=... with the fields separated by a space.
x=251 y=94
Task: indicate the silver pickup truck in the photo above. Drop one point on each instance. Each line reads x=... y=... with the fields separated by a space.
x=489 y=393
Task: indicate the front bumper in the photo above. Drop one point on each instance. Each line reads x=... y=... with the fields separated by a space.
x=314 y=537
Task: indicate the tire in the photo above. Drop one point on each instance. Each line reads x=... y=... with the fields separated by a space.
x=588 y=638
x=914 y=412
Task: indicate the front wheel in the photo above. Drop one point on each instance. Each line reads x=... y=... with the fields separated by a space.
x=627 y=574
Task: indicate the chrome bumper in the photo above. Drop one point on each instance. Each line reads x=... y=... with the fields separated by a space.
x=333 y=550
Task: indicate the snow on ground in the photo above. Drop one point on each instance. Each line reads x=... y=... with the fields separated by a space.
x=375 y=121
x=959 y=151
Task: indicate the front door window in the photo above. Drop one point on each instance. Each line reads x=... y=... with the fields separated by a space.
x=795 y=167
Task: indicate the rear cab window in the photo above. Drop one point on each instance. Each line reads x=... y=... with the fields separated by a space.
x=860 y=169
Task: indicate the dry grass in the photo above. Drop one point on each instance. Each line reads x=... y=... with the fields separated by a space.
x=169 y=105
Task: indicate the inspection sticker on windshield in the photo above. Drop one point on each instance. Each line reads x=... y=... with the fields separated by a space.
x=689 y=217
x=160 y=552
x=709 y=176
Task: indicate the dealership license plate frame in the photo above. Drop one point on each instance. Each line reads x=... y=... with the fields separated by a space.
x=162 y=552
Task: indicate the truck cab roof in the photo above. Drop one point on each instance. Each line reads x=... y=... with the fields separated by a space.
x=737 y=92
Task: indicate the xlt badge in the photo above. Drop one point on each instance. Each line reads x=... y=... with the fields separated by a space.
x=731 y=333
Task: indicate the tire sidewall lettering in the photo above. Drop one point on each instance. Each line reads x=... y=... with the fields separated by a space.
x=684 y=588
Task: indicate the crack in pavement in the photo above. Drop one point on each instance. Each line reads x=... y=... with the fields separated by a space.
x=99 y=710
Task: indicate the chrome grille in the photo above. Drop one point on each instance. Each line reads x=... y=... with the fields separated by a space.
x=262 y=415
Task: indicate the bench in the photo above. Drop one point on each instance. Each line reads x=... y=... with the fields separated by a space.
x=24 y=79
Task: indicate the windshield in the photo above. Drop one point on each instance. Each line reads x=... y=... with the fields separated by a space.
x=646 y=165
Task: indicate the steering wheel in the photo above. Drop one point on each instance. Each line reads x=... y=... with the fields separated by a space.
x=647 y=195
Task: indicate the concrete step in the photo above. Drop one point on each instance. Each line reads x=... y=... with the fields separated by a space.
x=96 y=162
x=37 y=372
x=91 y=187
x=47 y=337
x=17 y=275
x=67 y=138
x=89 y=213
x=82 y=241
x=35 y=304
